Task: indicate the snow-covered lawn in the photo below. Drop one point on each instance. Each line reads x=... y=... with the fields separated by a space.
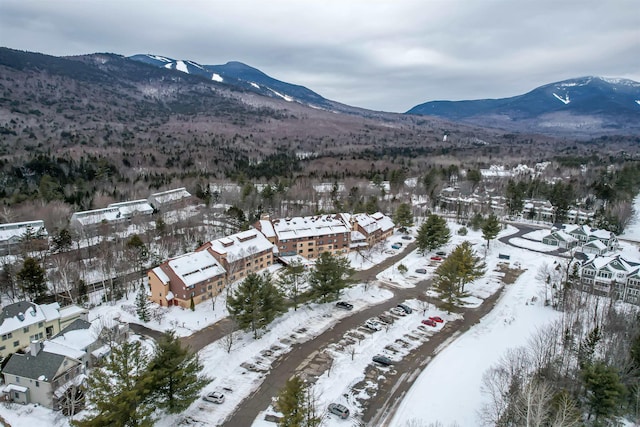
x=632 y=230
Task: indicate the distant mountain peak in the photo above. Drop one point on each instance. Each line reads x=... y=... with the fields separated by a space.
x=587 y=104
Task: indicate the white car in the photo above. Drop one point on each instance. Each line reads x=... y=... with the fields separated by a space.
x=398 y=311
x=373 y=325
x=215 y=397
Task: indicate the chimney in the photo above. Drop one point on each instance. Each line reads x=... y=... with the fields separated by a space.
x=35 y=348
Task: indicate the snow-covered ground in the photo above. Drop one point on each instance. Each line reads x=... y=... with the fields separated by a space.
x=632 y=231
x=448 y=390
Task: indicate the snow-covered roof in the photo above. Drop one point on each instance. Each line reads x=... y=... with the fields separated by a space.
x=241 y=245
x=196 y=267
x=161 y=275
x=71 y=311
x=267 y=228
x=96 y=216
x=134 y=207
x=14 y=387
x=16 y=230
x=357 y=236
x=309 y=226
x=169 y=196
x=596 y=244
x=327 y=187
x=22 y=314
x=100 y=352
x=376 y=221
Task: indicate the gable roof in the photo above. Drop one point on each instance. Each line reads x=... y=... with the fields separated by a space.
x=23 y=313
x=42 y=367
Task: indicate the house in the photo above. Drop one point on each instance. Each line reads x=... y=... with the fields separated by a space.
x=585 y=233
x=23 y=322
x=13 y=236
x=87 y=342
x=41 y=377
x=613 y=276
x=309 y=236
x=594 y=247
x=115 y=213
x=560 y=239
x=196 y=275
x=133 y=208
x=241 y=253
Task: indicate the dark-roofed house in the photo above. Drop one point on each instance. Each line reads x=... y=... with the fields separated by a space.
x=41 y=377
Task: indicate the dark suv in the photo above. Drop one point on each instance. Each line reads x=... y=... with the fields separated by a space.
x=383 y=360
x=344 y=305
x=406 y=308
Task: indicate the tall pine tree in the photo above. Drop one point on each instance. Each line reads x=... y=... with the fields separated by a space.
x=297 y=404
x=119 y=390
x=329 y=277
x=403 y=217
x=491 y=228
x=255 y=303
x=176 y=375
x=32 y=279
x=432 y=234
x=142 y=304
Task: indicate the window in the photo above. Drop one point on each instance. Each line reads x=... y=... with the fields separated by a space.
x=37 y=383
x=160 y=294
x=40 y=325
x=25 y=329
x=16 y=343
x=17 y=379
x=4 y=347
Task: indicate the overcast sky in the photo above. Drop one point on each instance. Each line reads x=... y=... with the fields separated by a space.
x=385 y=55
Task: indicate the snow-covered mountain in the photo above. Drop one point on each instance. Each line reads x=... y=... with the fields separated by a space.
x=582 y=104
x=241 y=76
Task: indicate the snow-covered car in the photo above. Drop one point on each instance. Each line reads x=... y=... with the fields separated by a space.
x=373 y=325
x=406 y=237
x=339 y=410
x=436 y=319
x=215 y=397
x=398 y=311
x=421 y=270
x=383 y=360
x=396 y=246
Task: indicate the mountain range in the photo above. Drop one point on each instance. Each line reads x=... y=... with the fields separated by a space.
x=580 y=106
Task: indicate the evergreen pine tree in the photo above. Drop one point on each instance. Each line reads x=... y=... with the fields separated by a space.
x=604 y=391
x=291 y=280
x=297 y=404
x=192 y=304
x=176 y=375
x=255 y=303
x=461 y=267
x=490 y=228
x=432 y=234
x=329 y=277
x=119 y=390
x=32 y=279
x=403 y=217
x=142 y=304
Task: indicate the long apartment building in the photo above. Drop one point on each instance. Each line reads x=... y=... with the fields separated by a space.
x=613 y=276
x=203 y=274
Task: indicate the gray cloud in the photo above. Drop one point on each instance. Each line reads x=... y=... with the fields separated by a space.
x=385 y=55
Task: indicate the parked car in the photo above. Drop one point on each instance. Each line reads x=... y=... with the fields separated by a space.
x=398 y=311
x=430 y=322
x=421 y=270
x=406 y=237
x=373 y=325
x=441 y=253
x=399 y=243
x=383 y=360
x=339 y=410
x=396 y=246
x=215 y=397
x=406 y=308
x=344 y=305
x=436 y=258
x=436 y=319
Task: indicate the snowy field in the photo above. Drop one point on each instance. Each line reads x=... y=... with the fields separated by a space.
x=447 y=391
x=632 y=231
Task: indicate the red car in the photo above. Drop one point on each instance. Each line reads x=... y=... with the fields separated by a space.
x=436 y=319
x=430 y=322
x=436 y=258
